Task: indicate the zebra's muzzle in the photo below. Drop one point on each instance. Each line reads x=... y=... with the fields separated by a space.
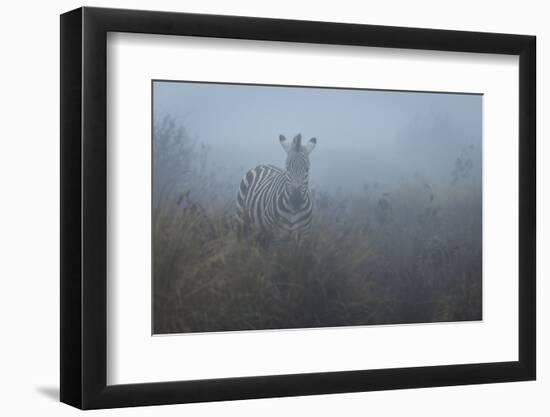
x=296 y=199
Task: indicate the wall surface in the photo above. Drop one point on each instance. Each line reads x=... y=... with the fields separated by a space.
x=29 y=223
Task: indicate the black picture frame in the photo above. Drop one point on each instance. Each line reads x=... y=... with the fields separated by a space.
x=84 y=207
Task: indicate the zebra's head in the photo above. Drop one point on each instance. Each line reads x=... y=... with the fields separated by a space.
x=297 y=168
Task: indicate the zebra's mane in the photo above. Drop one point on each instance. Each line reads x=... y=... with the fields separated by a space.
x=273 y=167
x=297 y=143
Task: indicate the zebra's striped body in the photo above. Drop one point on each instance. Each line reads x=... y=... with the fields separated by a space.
x=278 y=202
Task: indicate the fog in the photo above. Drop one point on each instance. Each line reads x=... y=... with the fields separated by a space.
x=364 y=136
x=395 y=183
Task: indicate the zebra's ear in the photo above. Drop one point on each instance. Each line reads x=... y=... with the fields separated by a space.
x=310 y=145
x=284 y=143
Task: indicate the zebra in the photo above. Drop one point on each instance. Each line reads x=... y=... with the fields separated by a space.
x=276 y=202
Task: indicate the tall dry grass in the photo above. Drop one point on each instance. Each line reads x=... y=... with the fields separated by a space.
x=408 y=253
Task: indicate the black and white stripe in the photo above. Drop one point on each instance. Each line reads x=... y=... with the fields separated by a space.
x=275 y=201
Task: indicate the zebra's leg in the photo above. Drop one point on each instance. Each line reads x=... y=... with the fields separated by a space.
x=242 y=226
x=302 y=235
x=266 y=238
x=239 y=226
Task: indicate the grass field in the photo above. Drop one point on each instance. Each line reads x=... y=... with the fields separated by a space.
x=409 y=253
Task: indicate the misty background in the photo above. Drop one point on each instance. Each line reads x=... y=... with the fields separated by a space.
x=364 y=136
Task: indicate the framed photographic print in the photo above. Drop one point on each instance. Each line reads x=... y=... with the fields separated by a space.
x=259 y=207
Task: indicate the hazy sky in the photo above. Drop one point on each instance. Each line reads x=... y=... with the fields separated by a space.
x=362 y=135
